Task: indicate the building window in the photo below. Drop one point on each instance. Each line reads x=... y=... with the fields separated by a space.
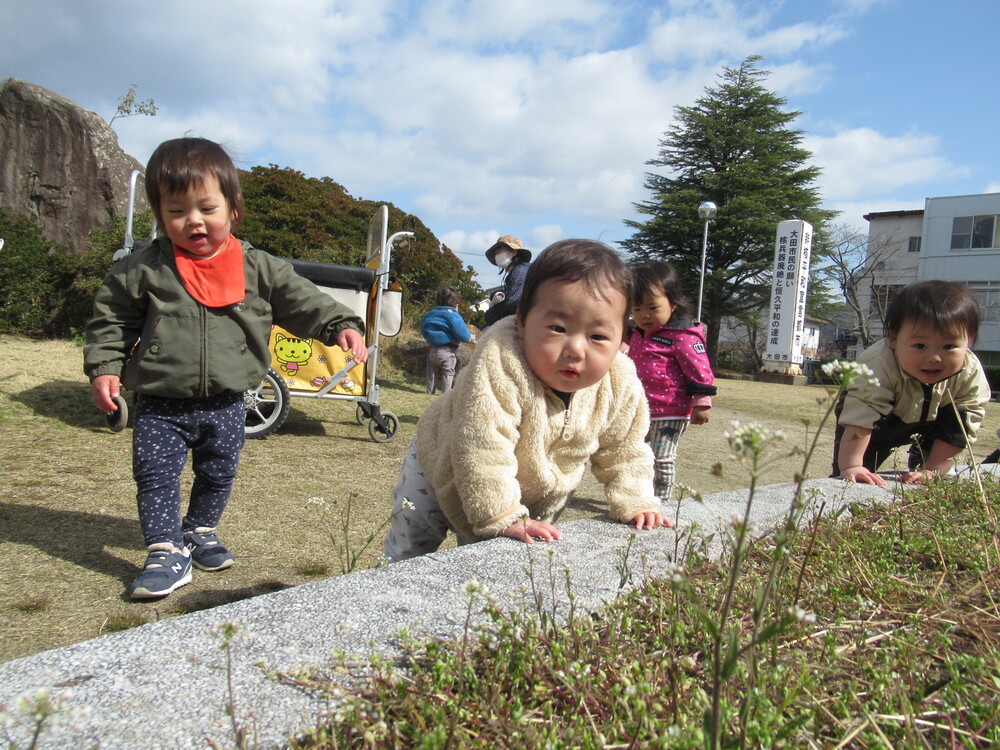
x=882 y=297
x=990 y=359
x=989 y=299
x=913 y=245
x=973 y=232
x=961 y=232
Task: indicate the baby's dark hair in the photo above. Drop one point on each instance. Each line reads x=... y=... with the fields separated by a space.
x=593 y=263
x=945 y=306
x=660 y=276
x=178 y=164
x=448 y=297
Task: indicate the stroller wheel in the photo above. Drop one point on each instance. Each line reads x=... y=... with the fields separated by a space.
x=383 y=434
x=267 y=406
x=360 y=415
x=119 y=418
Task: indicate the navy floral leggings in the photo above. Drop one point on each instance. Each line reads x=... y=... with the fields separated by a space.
x=165 y=430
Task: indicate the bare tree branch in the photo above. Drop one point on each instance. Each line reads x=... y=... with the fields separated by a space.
x=853 y=262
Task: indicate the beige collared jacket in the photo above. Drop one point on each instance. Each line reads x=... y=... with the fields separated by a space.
x=912 y=401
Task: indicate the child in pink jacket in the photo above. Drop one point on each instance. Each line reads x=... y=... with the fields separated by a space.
x=670 y=359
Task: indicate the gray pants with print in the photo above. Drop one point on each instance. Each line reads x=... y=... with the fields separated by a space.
x=663 y=437
x=418 y=525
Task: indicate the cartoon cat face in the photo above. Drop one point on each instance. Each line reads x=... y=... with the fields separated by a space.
x=287 y=349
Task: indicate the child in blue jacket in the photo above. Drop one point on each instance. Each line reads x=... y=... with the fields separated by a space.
x=444 y=329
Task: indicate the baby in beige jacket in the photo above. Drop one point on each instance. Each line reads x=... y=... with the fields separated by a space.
x=545 y=393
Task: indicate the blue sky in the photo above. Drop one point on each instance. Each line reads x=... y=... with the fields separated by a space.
x=530 y=118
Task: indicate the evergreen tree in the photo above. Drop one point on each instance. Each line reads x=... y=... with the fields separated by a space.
x=734 y=147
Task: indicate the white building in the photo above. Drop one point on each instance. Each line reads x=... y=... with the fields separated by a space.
x=894 y=242
x=955 y=238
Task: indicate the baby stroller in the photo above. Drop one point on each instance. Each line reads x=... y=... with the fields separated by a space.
x=307 y=369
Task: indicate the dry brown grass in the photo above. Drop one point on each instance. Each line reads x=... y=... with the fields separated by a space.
x=70 y=543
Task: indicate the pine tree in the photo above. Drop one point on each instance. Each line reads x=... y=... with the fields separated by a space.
x=734 y=147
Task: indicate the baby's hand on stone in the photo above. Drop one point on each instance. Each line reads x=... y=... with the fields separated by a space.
x=650 y=520
x=528 y=530
x=861 y=475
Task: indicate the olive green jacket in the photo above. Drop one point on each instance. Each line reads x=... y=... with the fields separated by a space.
x=159 y=340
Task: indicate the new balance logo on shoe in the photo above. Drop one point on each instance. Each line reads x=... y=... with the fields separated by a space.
x=163 y=572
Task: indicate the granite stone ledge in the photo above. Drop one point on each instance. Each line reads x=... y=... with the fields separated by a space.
x=164 y=685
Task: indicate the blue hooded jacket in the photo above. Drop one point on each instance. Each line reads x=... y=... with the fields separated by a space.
x=443 y=325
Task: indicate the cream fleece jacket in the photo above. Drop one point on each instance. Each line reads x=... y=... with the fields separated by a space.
x=500 y=445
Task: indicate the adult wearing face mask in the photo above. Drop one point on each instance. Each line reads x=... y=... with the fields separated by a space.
x=510 y=256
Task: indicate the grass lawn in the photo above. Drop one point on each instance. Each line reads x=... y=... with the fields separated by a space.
x=70 y=543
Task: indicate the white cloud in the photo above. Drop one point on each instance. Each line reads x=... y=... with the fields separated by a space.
x=542 y=237
x=514 y=24
x=852 y=213
x=708 y=31
x=470 y=242
x=536 y=118
x=860 y=161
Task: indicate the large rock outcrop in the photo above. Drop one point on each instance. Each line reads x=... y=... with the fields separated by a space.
x=60 y=163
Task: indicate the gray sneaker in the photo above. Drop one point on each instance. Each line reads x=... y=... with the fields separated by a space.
x=164 y=571
x=207 y=551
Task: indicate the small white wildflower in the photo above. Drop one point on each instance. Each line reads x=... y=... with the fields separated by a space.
x=473 y=587
x=229 y=630
x=676 y=573
x=750 y=440
x=39 y=703
x=407 y=505
x=684 y=491
x=845 y=372
x=734 y=426
x=320 y=501
x=801 y=615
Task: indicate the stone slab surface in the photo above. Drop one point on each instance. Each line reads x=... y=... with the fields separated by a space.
x=164 y=685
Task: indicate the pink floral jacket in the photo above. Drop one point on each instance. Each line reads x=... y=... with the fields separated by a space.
x=674 y=369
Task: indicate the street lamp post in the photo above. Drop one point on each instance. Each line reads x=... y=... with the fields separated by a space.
x=706 y=211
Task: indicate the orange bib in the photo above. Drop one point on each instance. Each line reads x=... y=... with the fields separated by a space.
x=218 y=281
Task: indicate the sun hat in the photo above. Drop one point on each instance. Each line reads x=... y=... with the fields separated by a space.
x=511 y=242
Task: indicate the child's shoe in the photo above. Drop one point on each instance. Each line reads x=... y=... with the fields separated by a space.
x=167 y=569
x=207 y=551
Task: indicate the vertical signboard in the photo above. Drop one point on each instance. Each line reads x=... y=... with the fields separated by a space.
x=787 y=314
